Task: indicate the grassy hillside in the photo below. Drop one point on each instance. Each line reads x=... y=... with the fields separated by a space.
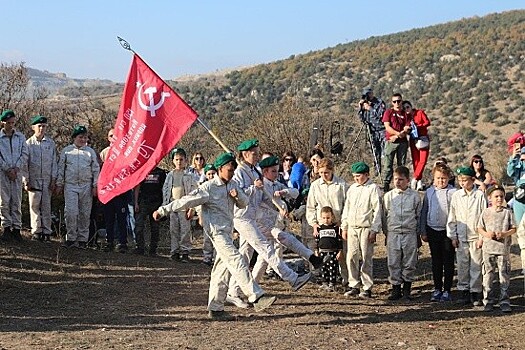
x=467 y=75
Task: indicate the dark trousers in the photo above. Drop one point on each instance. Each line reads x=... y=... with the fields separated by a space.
x=146 y=209
x=330 y=269
x=116 y=211
x=442 y=253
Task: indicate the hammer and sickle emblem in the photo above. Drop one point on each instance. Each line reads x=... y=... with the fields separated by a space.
x=150 y=92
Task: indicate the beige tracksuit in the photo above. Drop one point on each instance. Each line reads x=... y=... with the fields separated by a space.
x=13 y=154
x=401 y=213
x=272 y=225
x=180 y=230
x=361 y=215
x=217 y=219
x=463 y=216
x=78 y=171
x=333 y=195
x=251 y=237
x=42 y=170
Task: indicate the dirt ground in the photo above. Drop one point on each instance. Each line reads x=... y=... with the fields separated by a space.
x=52 y=298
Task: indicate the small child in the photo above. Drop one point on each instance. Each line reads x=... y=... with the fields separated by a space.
x=178 y=184
x=466 y=206
x=330 y=245
x=402 y=207
x=361 y=221
x=496 y=226
x=208 y=251
x=433 y=225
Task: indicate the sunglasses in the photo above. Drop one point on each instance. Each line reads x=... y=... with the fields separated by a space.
x=477 y=161
x=288 y=159
x=199 y=158
x=397 y=101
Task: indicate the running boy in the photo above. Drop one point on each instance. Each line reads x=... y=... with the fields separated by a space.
x=433 y=225
x=402 y=207
x=361 y=221
x=496 y=226
x=218 y=198
x=466 y=206
x=330 y=245
x=178 y=184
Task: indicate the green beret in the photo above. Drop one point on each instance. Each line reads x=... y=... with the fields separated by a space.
x=38 y=119
x=246 y=145
x=268 y=162
x=8 y=113
x=465 y=170
x=223 y=159
x=360 y=168
x=209 y=167
x=79 y=129
x=176 y=151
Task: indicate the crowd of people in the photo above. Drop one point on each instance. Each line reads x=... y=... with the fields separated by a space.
x=255 y=195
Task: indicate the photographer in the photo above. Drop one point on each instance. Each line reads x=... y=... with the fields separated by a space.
x=370 y=111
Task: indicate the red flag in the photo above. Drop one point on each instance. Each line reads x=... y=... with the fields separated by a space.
x=151 y=120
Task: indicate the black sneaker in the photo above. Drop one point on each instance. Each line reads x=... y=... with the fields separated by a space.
x=109 y=247
x=138 y=251
x=16 y=234
x=353 y=292
x=464 y=299
x=37 y=237
x=175 y=257
x=316 y=261
x=46 y=238
x=69 y=244
x=185 y=258
x=220 y=316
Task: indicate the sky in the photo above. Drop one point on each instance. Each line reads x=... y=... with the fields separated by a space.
x=178 y=38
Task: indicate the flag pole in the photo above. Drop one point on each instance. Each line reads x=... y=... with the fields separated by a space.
x=126 y=46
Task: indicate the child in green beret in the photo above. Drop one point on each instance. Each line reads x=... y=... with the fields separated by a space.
x=361 y=221
x=466 y=206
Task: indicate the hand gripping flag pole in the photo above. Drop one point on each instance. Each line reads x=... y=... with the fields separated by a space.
x=146 y=130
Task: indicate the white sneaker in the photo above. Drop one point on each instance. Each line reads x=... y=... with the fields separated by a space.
x=420 y=186
x=413 y=184
x=301 y=281
x=235 y=300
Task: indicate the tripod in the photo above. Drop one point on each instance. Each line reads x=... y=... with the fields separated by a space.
x=370 y=140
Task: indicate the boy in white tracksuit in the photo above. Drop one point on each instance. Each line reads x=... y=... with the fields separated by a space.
x=271 y=222
x=401 y=211
x=361 y=221
x=78 y=171
x=42 y=172
x=178 y=184
x=251 y=238
x=466 y=206
x=13 y=159
x=217 y=198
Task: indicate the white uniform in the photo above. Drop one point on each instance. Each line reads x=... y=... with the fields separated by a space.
x=13 y=154
x=42 y=170
x=400 y=223
x=361 y=215
x=250 y=236
x=180 y=230
x=272 y=225
x=217 y=214
x=78 y=171
x=328 y=194
x=463 y=216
